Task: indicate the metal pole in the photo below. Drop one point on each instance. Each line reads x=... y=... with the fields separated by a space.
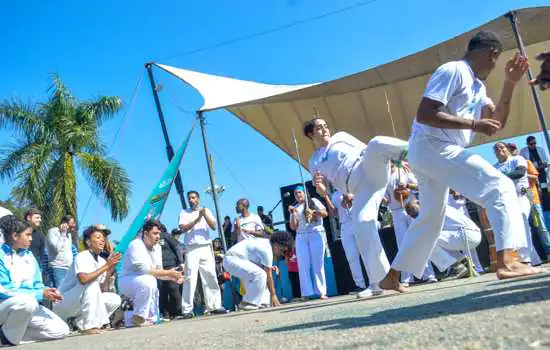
x=200 y=117
x=512 y=16
x=169 y=149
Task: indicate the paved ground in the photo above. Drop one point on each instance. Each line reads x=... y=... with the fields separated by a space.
x=480 y=313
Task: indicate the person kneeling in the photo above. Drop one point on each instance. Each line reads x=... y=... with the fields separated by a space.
x=86 y=284
x=22 y=319
x=251 y=260
x=458 y=237
x=141 y=267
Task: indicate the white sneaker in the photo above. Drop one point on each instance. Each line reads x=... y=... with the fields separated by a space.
x=369 y=292
x=248 y=307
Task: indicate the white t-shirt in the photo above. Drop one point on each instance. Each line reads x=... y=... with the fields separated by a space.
x=459 y=204
x=462 y=94
x=510 y=165
x=252 y=222
x=59 y=245
x=84 y=262
x=257 y=250
x=407 y=178
x=455 y=220
x=316 y=224
x=336 y=160
x=138 y=260
x=200 y=233
x=344 y=215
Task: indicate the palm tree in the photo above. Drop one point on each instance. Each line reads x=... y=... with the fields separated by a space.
x=55 y=139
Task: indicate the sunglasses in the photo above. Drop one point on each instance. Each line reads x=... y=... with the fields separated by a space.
x=533 y=144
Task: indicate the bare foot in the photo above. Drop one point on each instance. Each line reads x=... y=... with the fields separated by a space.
x=92 y=331
x=516 y=269
x=323 y=297
x=391 y=282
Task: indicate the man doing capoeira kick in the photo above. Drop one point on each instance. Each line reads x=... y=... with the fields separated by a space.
x=455 y=106
x=353 y=167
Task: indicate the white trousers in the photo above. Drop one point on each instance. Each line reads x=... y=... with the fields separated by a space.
x=252 y=276
x=90 y=307
x=23 y=319
x=200 y=259
x=401 y=223
x=144 y=293
x=352 y=254
x=529 y=253
x=437 y=166
x=310 y=252
x=368 y=183
x=452 y=246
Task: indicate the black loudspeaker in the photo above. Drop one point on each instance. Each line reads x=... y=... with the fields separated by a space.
x=287 y=196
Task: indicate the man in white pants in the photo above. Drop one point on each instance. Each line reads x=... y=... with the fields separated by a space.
x=141 y=267
x=402 y=182
x=342 y=204
x=195 y=224
x=22 y=318
x=458 y=237
x=515 y=168
x=353 y=167
x=454 y=106
x=251 y=260
x=86 y=284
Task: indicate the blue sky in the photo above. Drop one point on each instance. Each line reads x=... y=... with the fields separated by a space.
x=100 y=47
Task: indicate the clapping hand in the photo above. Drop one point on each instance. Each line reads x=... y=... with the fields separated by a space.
x=515 y=68
x=52 y=294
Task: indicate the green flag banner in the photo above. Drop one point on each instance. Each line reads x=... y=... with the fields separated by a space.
x=153 y=207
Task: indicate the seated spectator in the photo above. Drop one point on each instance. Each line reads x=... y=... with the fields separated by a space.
x=251 y=260
x=21 y=290
x=141 y=267
x=85 y=287
x=59 y=246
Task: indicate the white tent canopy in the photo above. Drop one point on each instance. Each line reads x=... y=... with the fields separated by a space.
x=357 y=103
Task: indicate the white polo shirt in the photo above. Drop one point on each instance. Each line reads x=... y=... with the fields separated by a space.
x=257 y=250
x=198 y=234
x=462 y=94
x=336 y=160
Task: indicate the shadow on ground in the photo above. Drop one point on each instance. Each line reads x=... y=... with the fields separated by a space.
x=502 y=295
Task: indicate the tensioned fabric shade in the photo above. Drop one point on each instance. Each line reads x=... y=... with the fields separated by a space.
x=357 y=103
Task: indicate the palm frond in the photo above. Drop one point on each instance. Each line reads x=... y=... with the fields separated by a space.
x=17 y=156
x=21 y=117
x=100 y=109
x=60 y=191
x=108 y=180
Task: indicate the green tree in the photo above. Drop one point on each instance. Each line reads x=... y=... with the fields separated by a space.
x=11 y=206
x=55 y=139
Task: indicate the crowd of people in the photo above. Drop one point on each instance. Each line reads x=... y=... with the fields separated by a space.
x=55 y=283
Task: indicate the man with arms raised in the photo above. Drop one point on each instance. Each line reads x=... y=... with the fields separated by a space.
x=454 y=107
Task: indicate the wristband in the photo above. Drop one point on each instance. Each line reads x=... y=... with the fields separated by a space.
x=473 y=124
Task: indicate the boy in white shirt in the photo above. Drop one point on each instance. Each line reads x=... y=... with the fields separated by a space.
x=455 y=106
x=247 y=225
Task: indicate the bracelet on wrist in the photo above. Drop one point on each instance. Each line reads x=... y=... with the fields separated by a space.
x=473 y=124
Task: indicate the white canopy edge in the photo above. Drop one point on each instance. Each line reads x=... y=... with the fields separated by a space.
x=357 y=103
x=220 y=92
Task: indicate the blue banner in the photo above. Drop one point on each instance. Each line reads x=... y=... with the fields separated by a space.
x=153 y=207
